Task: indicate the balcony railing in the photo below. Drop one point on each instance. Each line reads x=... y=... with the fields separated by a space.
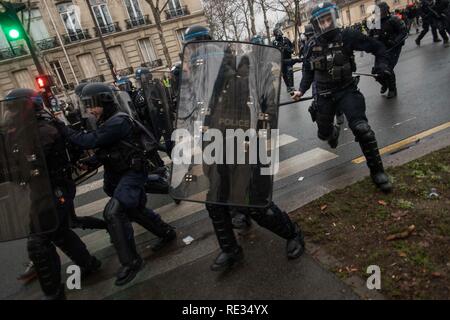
x=109 y=28
x=76 y=36
x=137 y=21
x=125 y=72
x=152 y=64
x=7 y=53
x=46 y=44
x=97 y=78
x=174 y=13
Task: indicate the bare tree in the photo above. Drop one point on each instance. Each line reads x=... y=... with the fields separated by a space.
x=157 y=11
x=264 y=5
x=251 y=10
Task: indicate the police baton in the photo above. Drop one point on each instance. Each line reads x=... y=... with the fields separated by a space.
x=365 y=74
x=295 y=101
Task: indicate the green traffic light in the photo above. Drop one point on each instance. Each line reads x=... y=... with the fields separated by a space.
x=13 y=34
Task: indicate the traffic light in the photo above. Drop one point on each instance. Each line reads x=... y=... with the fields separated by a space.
x=9 y=22
x=43 y=81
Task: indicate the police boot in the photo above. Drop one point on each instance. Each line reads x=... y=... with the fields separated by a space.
x=418 y=42
x=333 y=140
x=436 y=40
x=58 y=295
x=278 y=221
x=231 y=252
x=128 y=273
x=295 y=247
x=366 y=138
x=153 y=223
x=446 y=44
x=392 y=87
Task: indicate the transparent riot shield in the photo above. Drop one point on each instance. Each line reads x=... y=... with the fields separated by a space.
x=26 y=198
x=159 y=109
x=226 y=131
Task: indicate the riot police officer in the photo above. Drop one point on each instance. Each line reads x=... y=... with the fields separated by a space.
x=429 y=19
x=330 y=64
x=287 y=48
x=392 y=34
x=226 y=94
x=442 y=8
x=122 y=145
x=42 y=247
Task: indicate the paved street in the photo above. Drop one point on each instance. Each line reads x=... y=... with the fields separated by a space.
x=423 y=78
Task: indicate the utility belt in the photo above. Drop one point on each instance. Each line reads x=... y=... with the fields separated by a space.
x=122 y=159
x=327 y=94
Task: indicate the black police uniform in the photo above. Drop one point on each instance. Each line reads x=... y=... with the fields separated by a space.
x=429 y=19
x=442 y=8
x=120 y=148
x=42 y=247
x=392 y=34
x=231 y=84
x=330 y=64
x=287 y=48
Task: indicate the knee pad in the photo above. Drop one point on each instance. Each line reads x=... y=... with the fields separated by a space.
x=363 y=132
x=112 y=210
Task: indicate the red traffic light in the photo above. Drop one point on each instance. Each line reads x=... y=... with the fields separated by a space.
x=43 y=81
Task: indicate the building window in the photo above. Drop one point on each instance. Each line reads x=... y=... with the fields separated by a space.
x=70 y=18
x=175 y=6
x=59 y=72
x=362 y=8
x=180 y=36
x=38 y=30
x=103 y=17
x=23 y=79
x=87 y=63
x=349 y=19
x=147 y=50
x=117 y=57
x=133 y=9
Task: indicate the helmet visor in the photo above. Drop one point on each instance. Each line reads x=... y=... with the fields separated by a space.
x=325 y=20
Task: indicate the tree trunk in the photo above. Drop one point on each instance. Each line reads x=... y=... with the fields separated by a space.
x=252 y=15
x=296 y=24
x=266 y=22
x=157 y=17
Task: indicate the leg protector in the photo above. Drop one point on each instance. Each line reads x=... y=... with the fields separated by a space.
x=121 y=232
x=366 y=138
x=46 y=261
x=275 y=220
x=223 y=227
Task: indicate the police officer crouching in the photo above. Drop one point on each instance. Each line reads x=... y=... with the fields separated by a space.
x=330 y=65
x=42 y=247
x=122 y=146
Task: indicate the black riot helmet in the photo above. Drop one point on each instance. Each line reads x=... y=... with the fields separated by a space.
x=384 y=9
x=197 y=33
x=277 y=33
x=24 y=93
x=79 y=88
x=101 y=95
